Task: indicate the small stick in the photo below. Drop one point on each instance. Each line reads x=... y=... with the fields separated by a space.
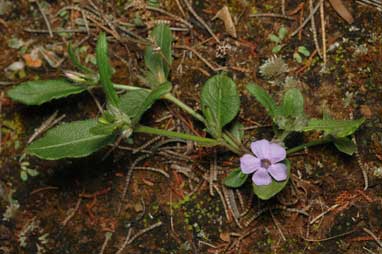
x=154 y=170
x=271 y=15
x=125 y=243
x=215 y=69
x=180 y=8
x=147 y=144
x=374 y=236
x=323 y=31
x=330 y=238
x=223 y=201
x=128 y=178
x=108 y=236
x=143 y=231
x=72 y=213
x=170 y=15
x=283 y=7
x=315 y=9
x=314 y=30
x=45 y=18
x=231 y=204
x=201 y=21
x=30 y=30
x=323 y=214
x=277 y=225
x=48 y=123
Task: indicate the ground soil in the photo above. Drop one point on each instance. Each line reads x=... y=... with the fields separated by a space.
x=75 y=206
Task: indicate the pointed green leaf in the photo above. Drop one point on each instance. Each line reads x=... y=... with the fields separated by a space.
x=136 y=102
x=292 y=104
x=303 y=51
x=297 y=57
x=282 y=32
x=274 y=38
x=220 y=103
x=158 y=57
x=40 y=91
x=237 y=131
x=69 y=140
x=235 y=179
x=337 y=128
x=263 y=98
x=345 y=145
x=265 y=192
x=104 y=70
x=277 y=49
x=75 y=61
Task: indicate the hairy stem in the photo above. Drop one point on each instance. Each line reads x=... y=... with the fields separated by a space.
x=173 y=134
x=309 y=144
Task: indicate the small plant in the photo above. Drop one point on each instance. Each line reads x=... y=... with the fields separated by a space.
x=220 y=105
x=278 y=39
x=300 y=53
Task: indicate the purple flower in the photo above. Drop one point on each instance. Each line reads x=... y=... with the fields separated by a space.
x=266 y=163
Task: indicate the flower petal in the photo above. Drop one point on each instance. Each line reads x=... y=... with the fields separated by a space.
x=249 y=163
x=277 y=153
x=278 y=171
x=261 y=177
x=261 y=148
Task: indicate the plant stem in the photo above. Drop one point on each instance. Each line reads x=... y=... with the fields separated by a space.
x=309 y=144
x=283 y=135
x=183 y=106
x=168 y=97
x=229 y=143
x=173 y=134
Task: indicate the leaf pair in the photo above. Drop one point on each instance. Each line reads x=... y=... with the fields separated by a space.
x=81 y=138
x=220 y=103
x=289 y=115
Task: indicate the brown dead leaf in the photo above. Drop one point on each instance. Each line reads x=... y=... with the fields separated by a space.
x=341 y=9
x=366 y=111
x=226 y=17
x=31 y=61
x=225 y=236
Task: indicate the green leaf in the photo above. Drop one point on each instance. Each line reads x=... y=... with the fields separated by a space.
x=158 y=57
x=23 y=175
x=40 y=91
x=297 y=57
x=337 y=128
x=282 y=32
x=220 y=103
x=277 y=49
x=345 y=145
x=32 y=172
x=136 y=102
x=237 y=131
x=263 y=98
x=265 y=192
x=292 y=104
x=75 y=61
x=235 y=179
x=132 y=100
x=103 y=129
x=104 y=70
x=69 y=140
x=274 y=38
x=303 y=51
